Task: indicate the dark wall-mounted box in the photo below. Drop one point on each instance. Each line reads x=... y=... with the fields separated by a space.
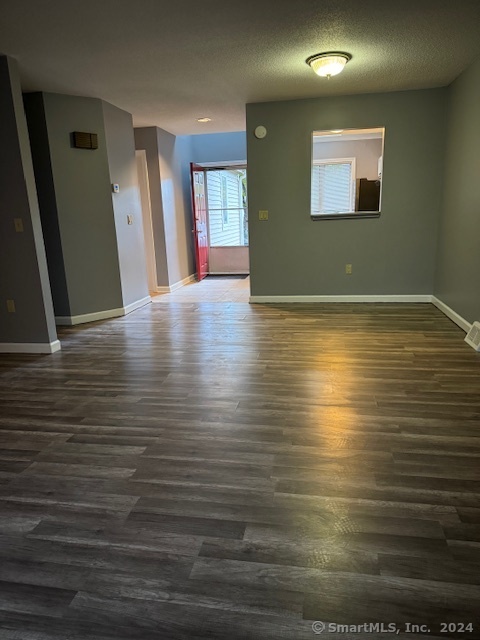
x=83 y=140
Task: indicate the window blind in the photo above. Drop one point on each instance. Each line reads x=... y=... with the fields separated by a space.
x=332 y=188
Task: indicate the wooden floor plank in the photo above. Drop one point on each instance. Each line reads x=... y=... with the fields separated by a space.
x=212 y=469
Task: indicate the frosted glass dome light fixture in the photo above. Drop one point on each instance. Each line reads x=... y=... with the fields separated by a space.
x=329 y=64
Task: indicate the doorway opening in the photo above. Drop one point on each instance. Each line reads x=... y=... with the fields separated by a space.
x=221 y=219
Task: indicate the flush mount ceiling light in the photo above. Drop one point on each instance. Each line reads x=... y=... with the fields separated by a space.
x=329 y=64
x=204 y=120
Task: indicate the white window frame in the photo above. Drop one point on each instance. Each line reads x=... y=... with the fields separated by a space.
x=224 y=196
x=214 y=166
x=352 y=162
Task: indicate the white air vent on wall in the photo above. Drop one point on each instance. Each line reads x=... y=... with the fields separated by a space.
x=473 y=336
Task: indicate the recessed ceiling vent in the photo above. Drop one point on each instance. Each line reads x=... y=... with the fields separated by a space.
x=82 y=140
x=473 y=336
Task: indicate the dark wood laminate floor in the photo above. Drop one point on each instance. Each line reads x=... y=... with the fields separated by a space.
x=217 y=470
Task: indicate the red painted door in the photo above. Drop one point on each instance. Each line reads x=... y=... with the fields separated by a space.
x=200 y=231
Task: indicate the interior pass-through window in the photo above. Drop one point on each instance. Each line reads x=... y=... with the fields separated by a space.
x=346 y=173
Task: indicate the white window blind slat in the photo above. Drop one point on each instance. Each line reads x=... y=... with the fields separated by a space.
x=332 y=188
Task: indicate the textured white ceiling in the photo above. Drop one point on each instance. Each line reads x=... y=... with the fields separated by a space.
x=170 y=63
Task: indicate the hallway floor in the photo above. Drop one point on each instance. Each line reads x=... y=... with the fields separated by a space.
x=211 y=289
x=209 y=470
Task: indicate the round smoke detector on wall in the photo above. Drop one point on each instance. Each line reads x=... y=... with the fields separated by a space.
x=260 y=132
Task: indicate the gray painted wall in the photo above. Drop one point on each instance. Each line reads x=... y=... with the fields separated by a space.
x=123 y=170
x=458 y=264
x=185 y=155
x=365 y=152
x=146 y=138
x=176 y=207
x=393 y=254
x=23 y=266
x=83 y=202
x=168 y=159
x=37 y=128
x=218 y=147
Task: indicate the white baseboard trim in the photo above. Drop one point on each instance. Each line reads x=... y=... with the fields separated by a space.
x=102 y=315
x=89 y=317
x=30 y=347
x=367 y=298
x=453 y=315
x=176 y=285
x=136 y=305
x=182 y=283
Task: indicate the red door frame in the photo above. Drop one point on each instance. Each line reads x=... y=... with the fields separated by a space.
x=199 y=209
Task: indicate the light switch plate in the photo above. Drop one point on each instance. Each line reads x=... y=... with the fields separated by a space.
x=115 y=188
x=129 y=218
x=11 y=306
x=18 y=225
x=263 y=215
